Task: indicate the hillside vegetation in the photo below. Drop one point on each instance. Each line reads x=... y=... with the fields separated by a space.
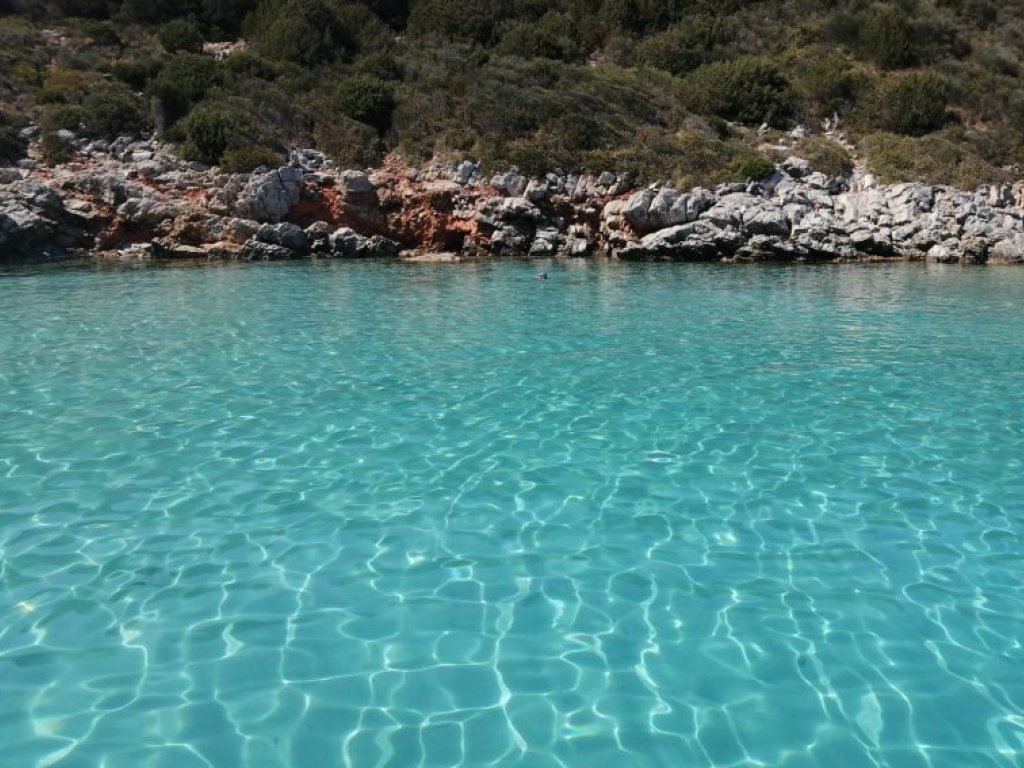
x=669 y=89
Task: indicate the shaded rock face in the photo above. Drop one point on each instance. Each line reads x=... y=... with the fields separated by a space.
x=136 y=199
x=36 y=225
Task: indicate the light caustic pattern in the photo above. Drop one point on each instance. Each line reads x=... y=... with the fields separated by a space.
x=396 y=515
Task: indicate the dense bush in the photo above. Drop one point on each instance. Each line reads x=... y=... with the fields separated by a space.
x=224 y=18
x=208 y=132
x=181 y=35
x=87 y=101
x=101 y=32
x=304 y=32
x=135 y=73
x=112 y=112
x=893 y=158
x=367 y=99
x=684 y=47
x=751 y=167
x=885 y=36
x=349 y=143
x=183 y=81
x=552 y=36
x=56 y=119
x=248 y=158
x=825 y=155
x=749 y=90
x=831 y=84
x=940 y=158
x=457 y=19
x=12 y=145
x=913 y=104
x=691 y=157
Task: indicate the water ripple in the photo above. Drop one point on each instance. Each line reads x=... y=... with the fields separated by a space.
x=382 y=515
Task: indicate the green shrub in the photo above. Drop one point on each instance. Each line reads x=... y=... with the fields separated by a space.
x=54 y=149
x=750 y=167
x=954 y=156
x=155 y=11
x=105 y=107
x=86 y=9
x=101 y=32
x=208 y=132
x=885 y=36
x=183 y=81
x=67 y=85
x=830 y=84
x=913 y=104
x=893 y=158
x=12 y=145
x=181 y=35
x=305 y=32
x=825 y=155
x=684 y=47
x=55 y=118
x=225 y=17
x=935 y=38
x=62 y=117
x=455 y=19
x=691 y=157
x=749 y=89
x=112 y=112
x=380 y=64
x=248 y=158
x=550 y=37
x=982 y=14
x=367 y=99
x=250 y=64
x=349 y=143
x=135 y=73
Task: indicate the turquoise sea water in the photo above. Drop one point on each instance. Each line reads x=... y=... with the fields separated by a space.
x=374 y=514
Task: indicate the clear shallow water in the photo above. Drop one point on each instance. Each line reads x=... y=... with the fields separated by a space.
x=411 y=515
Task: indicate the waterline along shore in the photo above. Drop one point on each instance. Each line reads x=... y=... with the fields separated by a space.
x=136 y=200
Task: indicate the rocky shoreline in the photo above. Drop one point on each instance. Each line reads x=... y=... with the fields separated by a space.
x=136 y=200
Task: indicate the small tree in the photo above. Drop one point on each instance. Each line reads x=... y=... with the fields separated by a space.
x=366 y=98
x=912 y=104
x=208 y=132
x=183 y=81
x=181 y=35
x=748 y=89
x=885 y=37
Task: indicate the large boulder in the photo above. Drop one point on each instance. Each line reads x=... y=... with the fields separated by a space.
x=1008 y=251
x=795 y=167
x=347 y=243
x=766 y=220
x=696 y=241
x=286 y=235
x=730 y=209
x=511 y=183
x=511 y=240
x=22 y=231
x=255 y=250
x=649 y=211
x=270 y=196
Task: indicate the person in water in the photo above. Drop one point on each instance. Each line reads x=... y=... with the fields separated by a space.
x=542 y=275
